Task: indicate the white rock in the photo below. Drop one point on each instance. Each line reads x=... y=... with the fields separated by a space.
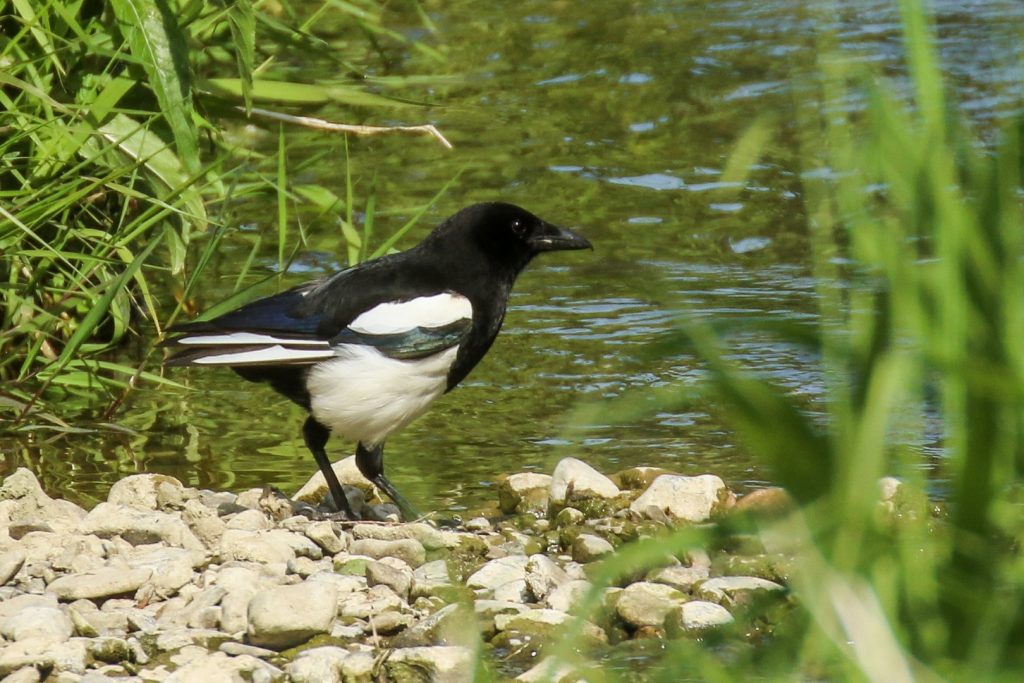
x=80 y=553
x=314 y=490
x=430 y=537
x=730 y=590
x=549 y=670
x=690 y=499
x=524 y=492
x=172 y=567
x=11 y=562
x=12 y=606
x=398 y=580
x=318 y=665
x=376 y=600
x=44 y=653
x=300 y=544
x=568 y=595
x=647 y=604
x=140 y=490
x=202 y=611
x=438 y=664
x=545 y=623
x=543 y=576
x=108 y=582
x=680 y=578
x=408 y=550
x=698 y=615
x=250 y=520
x=499 y=572
x=234 y=611
x=513 y=591
x=240 y=577
x=38 y=622
x=588 y=547
x=204 y=522
x=254 y=546
x=429 y=578
x=284 y=616
x=360 y=666
x=22 y=500
x=234 y=649
x=27 y=674
x=196 y=665
x=550 y=617
x=584 y=480
x=478 y=524
x=343 y=583
x=34 y=652
x=323 y=534
x=888 y=488
x=181 y=638
x=139 y=526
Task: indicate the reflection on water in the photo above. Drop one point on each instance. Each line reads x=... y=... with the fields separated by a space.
x=616 y=123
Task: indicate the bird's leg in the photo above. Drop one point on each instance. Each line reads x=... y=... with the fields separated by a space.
x=316 y=436
x=370 y=462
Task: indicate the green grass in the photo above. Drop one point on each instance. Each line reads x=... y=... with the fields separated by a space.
x=917 y=240
x=113 y=156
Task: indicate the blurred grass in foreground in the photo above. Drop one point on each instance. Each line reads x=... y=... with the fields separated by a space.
x=917 y=240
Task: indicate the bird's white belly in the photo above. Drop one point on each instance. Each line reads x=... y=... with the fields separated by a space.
x=364 y=395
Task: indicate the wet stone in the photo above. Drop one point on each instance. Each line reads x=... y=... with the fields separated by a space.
x=647 y=604
x=408 y=550
x=524 y=493
x=439 y=664
x=318 y=665
x=104 y=583
x=142 y=490
x=397 y=580
x=688 y=499
x=285 y=616
x=324 y=535
x=428 y=536
x=44 y=622
x=587 y=548
x=574 y=480
x=737 y=590
x=698 y=615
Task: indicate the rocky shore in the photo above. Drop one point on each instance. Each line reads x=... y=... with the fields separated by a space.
x=167 y=583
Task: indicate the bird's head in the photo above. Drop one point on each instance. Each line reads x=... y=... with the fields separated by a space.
x=508 y=235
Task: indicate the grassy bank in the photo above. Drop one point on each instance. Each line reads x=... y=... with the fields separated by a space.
x=120 y=162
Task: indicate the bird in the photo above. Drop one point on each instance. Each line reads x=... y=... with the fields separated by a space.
x=365 y=351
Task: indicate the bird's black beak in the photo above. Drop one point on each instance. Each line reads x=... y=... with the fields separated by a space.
x=554 y=238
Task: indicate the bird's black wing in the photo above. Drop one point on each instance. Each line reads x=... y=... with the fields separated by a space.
x=373 y=305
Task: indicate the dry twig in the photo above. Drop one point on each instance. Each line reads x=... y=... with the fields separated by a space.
x=321 y=124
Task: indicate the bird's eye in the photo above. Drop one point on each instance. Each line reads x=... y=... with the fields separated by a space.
x=519 y=227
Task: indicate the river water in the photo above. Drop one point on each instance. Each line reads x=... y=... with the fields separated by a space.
x=617 y=118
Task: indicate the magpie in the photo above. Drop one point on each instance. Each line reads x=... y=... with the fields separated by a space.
x=365 y=351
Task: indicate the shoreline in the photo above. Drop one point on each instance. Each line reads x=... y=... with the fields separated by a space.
x=167 y=583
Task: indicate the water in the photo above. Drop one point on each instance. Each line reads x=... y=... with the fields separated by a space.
x=619 y=124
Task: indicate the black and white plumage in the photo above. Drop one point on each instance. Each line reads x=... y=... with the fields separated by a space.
x=367 y=350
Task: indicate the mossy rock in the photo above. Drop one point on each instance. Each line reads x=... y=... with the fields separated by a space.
x=774 y=567
x=352 y=566
x=638 y=478
x=110 y=650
